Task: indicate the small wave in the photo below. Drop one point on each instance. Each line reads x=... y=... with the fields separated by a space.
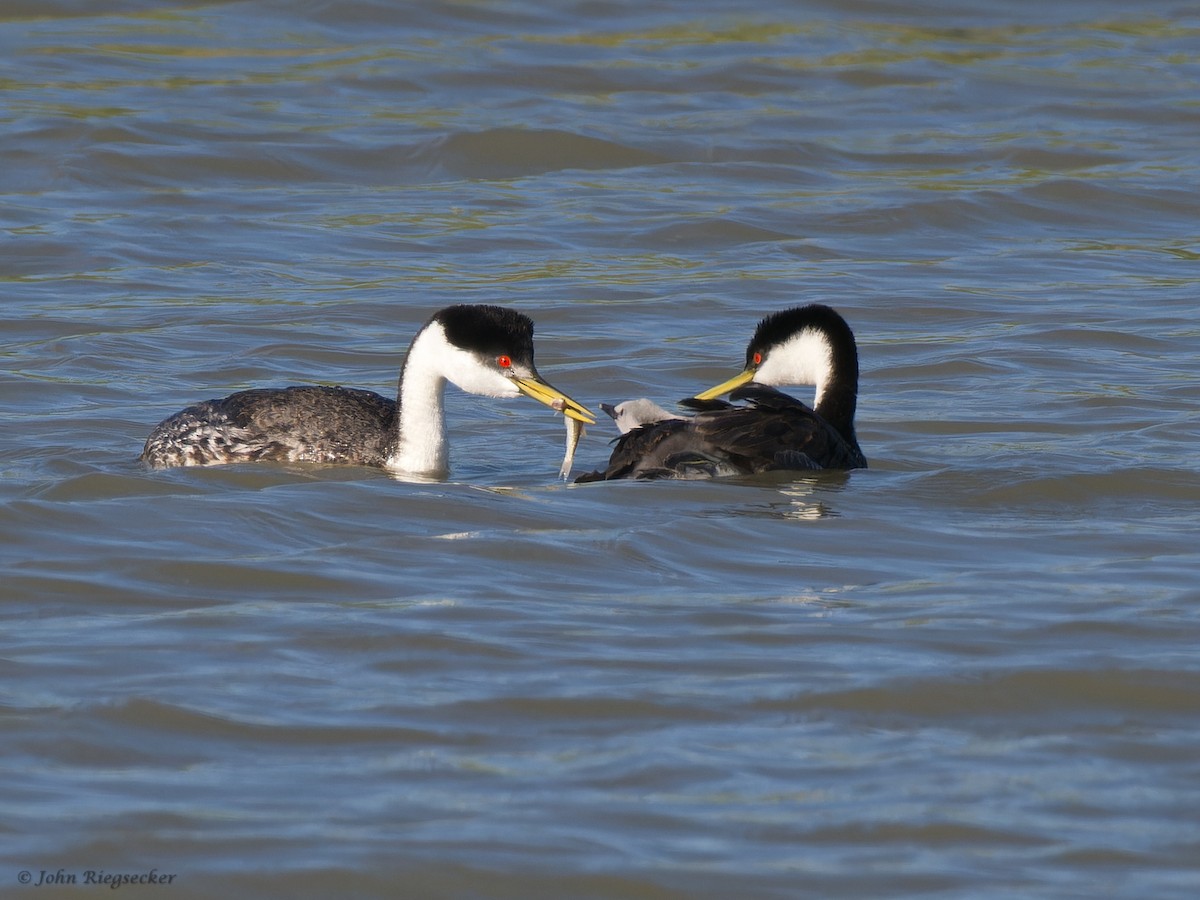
x=518 y=152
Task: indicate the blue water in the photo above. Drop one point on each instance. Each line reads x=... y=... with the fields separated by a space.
x=968 y=670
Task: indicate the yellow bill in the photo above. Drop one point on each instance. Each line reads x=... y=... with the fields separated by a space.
x=533 y=386
x=746 y=375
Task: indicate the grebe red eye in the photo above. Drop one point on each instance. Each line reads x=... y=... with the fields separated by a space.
x=504 y=362
x=758 y=359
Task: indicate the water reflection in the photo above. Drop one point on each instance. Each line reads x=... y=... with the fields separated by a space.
x=800 y=504
x=803 y=499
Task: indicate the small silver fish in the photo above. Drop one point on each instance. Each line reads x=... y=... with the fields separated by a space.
x=574 y=433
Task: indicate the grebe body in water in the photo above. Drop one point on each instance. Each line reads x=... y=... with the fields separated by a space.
x=771 y=431
x=484 y=350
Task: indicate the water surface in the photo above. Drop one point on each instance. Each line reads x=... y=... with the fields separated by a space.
x=967 y=670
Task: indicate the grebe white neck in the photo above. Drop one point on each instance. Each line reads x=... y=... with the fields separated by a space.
x=804 y=358
x=421 y=447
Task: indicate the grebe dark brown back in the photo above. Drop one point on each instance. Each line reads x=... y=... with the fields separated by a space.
x=484 y=350
x=772 y=431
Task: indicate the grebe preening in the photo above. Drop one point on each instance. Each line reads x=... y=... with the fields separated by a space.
x=773 y=431
x=484 y=350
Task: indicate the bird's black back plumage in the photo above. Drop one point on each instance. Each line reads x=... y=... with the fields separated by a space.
x=772 y=431
x=665 y=449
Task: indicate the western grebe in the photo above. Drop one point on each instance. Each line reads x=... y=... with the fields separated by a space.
x=484 y=350
x=772 y=431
